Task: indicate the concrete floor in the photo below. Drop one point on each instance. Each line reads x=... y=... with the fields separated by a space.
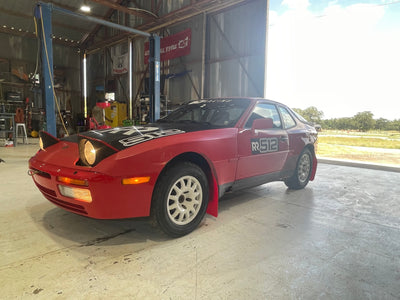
x=337 y=239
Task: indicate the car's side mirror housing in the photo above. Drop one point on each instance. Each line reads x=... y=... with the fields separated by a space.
x=262 y=124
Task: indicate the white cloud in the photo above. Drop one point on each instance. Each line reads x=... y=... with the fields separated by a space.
x=338 y=61
x=296 y=4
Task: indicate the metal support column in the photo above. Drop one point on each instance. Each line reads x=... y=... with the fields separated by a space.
x=154 y=77
x=44 y=10
x=130 y=79
x=43 y=13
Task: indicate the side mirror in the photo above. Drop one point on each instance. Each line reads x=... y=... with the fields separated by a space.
x=262 y=124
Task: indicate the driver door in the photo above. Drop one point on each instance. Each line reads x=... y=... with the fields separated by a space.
x=263 y=144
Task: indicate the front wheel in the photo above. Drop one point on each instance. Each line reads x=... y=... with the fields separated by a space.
x=180 y=199
x=301 y=175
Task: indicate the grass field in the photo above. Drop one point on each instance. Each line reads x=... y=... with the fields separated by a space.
x=373 y=133
x=375 y=147
x=361 y=141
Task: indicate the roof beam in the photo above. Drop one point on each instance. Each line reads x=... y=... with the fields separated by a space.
x=172 y=18
x=139 y=13
x=29 y=16
x=88 y=36
x=55 y=8
x=28 y=34
x=71 y=8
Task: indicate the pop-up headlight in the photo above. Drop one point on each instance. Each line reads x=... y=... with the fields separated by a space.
x=46 y=140
x=91 y=152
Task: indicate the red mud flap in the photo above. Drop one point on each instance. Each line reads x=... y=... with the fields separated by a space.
x=212 y=208
x=314 y=168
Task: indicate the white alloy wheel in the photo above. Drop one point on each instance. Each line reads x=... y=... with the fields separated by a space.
x=184 y=200
x=304 y=167
x=180 y=198
x=302 y=173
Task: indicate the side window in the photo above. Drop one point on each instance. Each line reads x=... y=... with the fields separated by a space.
x=288 y=120
x=264 y=111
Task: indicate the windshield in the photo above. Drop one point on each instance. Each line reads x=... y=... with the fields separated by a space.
x=219 y=112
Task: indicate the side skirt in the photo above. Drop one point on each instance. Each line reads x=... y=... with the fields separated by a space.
x=253 y=181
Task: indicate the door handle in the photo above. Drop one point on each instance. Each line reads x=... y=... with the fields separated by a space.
x=284 y=138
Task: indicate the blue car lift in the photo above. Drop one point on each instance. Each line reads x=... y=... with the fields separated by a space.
x=43 y=12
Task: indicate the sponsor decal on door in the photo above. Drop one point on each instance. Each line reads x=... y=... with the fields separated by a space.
x=264 y=145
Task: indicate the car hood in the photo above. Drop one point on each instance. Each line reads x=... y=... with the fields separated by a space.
x=124 y=137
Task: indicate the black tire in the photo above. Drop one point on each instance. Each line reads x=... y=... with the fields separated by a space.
x=180 y=199
x=301 y=175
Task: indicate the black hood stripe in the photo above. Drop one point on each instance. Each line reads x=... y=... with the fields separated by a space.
x=125 y=137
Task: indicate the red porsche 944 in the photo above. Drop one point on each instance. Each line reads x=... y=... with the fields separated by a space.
x=176 y=169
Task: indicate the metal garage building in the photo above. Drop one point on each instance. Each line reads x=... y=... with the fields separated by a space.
x=225 y=56
x=339 y=238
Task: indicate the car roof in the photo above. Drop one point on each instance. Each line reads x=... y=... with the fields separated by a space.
x=252 y=99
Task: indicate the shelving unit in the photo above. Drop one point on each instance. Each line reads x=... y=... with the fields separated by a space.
x=7 y=126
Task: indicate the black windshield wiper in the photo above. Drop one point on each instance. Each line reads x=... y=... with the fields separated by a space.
x=205 y=123
x=185 y=121
x=192 y=122
x=164 y=121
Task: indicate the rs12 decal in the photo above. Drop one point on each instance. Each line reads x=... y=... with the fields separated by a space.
x=264 y=145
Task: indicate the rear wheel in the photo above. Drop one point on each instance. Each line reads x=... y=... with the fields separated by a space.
x=301 y=176
x=180 y=199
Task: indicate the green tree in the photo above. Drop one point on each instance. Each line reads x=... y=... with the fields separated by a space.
x=299 y=111
x=364 y=121
x=311 y=114
x=382 y=124
x=394 y=125
x=343 y=124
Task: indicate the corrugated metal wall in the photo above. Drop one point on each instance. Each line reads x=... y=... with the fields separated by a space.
x=21 y=51
x=234 y=62
x=236 y=51
x=227 y=56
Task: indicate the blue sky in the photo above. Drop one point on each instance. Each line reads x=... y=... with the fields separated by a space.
x=341 y=56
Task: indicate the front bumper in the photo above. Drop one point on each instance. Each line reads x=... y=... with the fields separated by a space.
x=110 y=199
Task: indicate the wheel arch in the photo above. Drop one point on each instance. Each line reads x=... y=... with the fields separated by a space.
x=208 y=170
x=311 y=148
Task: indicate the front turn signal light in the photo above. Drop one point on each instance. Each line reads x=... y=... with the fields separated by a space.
x=135 y=180
x=72 y=181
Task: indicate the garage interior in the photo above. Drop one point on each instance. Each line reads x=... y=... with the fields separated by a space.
x=339 y=238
